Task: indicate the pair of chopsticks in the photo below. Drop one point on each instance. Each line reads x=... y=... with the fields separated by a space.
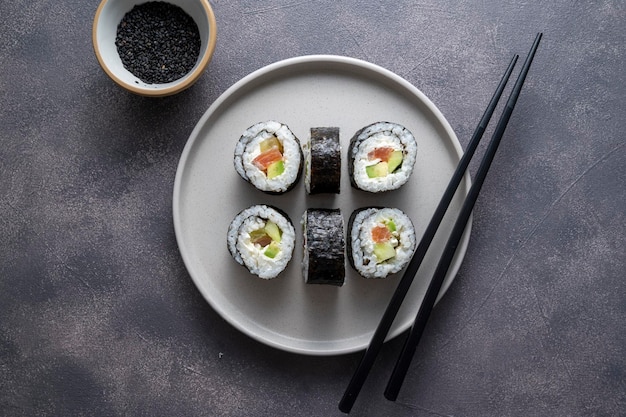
x=402 y=365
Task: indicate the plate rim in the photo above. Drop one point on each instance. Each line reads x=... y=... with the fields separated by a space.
x=227 y=95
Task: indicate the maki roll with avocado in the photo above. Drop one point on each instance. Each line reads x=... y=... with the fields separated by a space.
x=268 y=155
x=323 y=161
x=262 y=239
x=381 y=157
x=382 y=241
x=323 y=261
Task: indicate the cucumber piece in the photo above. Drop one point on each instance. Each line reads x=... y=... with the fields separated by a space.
x=273 y=231
x=380 y=169
x=395 y=160
x=384 y=251
x=390 y=225
x=275 y=169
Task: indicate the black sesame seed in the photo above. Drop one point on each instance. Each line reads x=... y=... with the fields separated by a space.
x=158 y=42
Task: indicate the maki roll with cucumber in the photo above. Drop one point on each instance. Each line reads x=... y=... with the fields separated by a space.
x=262 y=239
x=382 y=241
x=268 y=155
x=381 y=157
x=323 y=261
x=323 y=161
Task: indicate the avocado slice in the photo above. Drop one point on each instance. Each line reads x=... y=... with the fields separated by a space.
x=384 y=251
x=395 y=160
x=272 y=250
x=275 y=169
x=269 y=143
x=273 y=231
x=380 y=169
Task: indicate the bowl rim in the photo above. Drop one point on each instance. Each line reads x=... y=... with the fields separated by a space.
x=172 y=89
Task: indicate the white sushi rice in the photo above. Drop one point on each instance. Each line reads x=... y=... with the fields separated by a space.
x=378 y=135
x=323 y=258
x=363 y=256
x=248 y=148
x=251 y=255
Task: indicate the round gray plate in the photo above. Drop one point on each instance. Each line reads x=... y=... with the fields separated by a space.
x=305 y=92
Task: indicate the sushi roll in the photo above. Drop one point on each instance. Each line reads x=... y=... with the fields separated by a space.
x=262 y=239
x=382 y=241
x=322 y=155
x=381 y=157
x=323 y=261
x=268 y=155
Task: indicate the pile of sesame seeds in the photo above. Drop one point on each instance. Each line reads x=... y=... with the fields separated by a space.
x=158 y=42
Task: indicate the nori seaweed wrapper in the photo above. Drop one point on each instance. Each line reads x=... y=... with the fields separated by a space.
x=377 y=131
x=325 y=167
x=324 y=244
x=265 y=268
x=292 y=151
x=360 y=241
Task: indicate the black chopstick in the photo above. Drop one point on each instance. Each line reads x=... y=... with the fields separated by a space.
x=410 y=345
x=367 y=361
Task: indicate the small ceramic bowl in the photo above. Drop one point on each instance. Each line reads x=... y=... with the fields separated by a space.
x=108 y=16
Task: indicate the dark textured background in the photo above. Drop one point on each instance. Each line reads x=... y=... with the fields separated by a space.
x=98 y=315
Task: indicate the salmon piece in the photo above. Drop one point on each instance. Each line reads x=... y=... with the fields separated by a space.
x=381 y=234
x=380 y=153
x=267 y=158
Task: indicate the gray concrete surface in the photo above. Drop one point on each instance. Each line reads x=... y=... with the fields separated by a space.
x=98 y=316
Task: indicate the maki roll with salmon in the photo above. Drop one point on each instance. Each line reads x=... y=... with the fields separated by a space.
x=262 y=239
x=268 y=156
x=382 y=241
x=322 y=155
x=381 y=157
x=323 y=261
